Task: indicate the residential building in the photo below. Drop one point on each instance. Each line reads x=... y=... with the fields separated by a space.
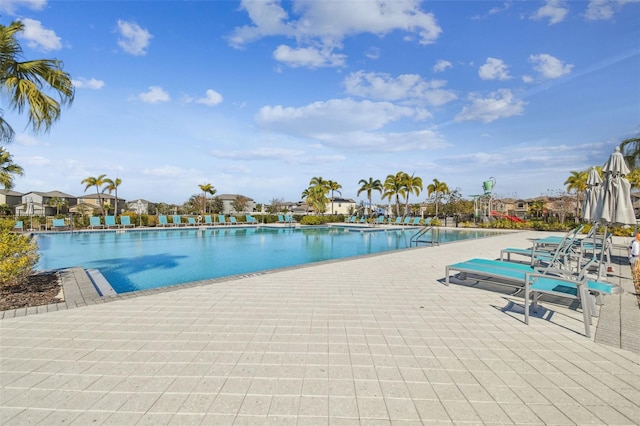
x=340 y=205
x=108 y=201
x=43 y=203
x=228 y=201
x=10 y=198
x=141 y=206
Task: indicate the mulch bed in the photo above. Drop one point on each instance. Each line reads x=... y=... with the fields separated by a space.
x=39 y=289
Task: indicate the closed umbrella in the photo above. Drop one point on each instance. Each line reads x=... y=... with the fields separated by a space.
x=30 y=211
x=591 y=195
x=614 y=206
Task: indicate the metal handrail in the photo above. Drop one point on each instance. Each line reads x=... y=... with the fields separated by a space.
x=435 y=236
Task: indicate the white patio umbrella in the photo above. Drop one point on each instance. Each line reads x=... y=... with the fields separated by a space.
x=614 y=205
x=30 y=211
x=591 y=195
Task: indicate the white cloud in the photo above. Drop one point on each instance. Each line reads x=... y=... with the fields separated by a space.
x=494 y=69
x=373 y=53
x=154 y=95
x=409 y=87
x=134 y=39
x=527 y=79
x=599 y=10
x=167 y=171
x=327 y=23
x=554 y=10
x=26 y=140
x=259 y=154
x=10 y=6
x=211 y=98
x=500 y=104
x=38 y=37
x=442 y=65
x=87 y=83
x=385 y=141
x=332 y=116
x=309 y=57
x=549 y=67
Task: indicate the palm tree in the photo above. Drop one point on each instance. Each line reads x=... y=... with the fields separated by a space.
x=8 y=169
x=22 y=82
x=316 y=194
x=369 y=186
x=438 y=188
x=412 y=185
x=57 y=202
x=97 y=182
x=206 y=188
x=630 y=148
x=394 y=187
x=112 y=185
x=333 y=186
x=577 y=182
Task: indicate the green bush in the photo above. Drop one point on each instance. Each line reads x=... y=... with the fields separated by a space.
x=18 y=257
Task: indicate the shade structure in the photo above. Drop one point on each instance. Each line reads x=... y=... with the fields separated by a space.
x=614 y=206
x=591 y=195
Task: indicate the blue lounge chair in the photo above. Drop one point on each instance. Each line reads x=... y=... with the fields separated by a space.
x=398 y=221
x=251 y=220
x=281 y=218
x=110 y=222
x=207 y=219
x=59 y=225
x=95 y=222
x=222 y=220
x=177 y=220
x=19 y=227
x=380 y=220
x=191 y=221
x=288 y=218
x=233 y=220
x=416 y=220
x=407 y=220
x=125 y=221
x=162 y=220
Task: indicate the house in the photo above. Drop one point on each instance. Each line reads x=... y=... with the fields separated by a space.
x=229 y=201
x=45 y=203
x=108 y=201
x=341 y=206
x=141 y=206
x=10 y=198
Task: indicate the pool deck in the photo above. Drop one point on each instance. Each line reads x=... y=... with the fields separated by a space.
x=374 y=340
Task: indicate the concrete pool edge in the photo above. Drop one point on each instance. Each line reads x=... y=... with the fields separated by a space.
x=79 y=290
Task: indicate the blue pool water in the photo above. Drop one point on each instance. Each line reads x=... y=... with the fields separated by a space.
x=137 y=260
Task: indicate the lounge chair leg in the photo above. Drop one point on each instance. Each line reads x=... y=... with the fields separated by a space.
x=586 y=314
x=526 y=304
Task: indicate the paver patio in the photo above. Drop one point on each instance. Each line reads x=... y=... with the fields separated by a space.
x=374 y=340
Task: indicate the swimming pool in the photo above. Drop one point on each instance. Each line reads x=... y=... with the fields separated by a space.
x=143 y=259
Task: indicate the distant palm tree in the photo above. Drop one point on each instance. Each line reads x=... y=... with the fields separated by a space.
x=630 y=148
x=577 y=182
x=57 y=202
x=112 y=185
x=206 y=188
x=97 y=182
x=8 y=169
x=333 y=186
x=438 y=188
x=369 y=186
x=394 y=187
x=316 y=194
x=412 y=185
x=22 y=83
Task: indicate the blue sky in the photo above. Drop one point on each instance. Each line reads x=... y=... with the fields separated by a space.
x=258 y=97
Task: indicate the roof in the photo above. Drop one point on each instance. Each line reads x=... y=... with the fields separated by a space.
x=232 y=196
x=9 y=192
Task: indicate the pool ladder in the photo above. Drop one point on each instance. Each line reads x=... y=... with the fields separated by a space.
x=419 y=237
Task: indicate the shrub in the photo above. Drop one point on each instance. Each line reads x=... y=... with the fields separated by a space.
x=18 y=256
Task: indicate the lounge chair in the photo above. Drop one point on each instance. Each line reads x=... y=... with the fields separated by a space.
x=380 y=220
x=251 y=220
x=95 y=222
x=398 y=221
x=110 y=222
x=177 y=220
x=222 y=220
x=162 y=220
x=58 y=225
x=281 y=218
x=207 y=219
x=407 y=221
x=18 y=227
x=288 y=218
x=191 y=221
x=233 y=220
x=536 y=280
x=416 y=220
x=125 y=221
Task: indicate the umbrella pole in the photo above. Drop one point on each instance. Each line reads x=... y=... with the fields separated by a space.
x=604 y=242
